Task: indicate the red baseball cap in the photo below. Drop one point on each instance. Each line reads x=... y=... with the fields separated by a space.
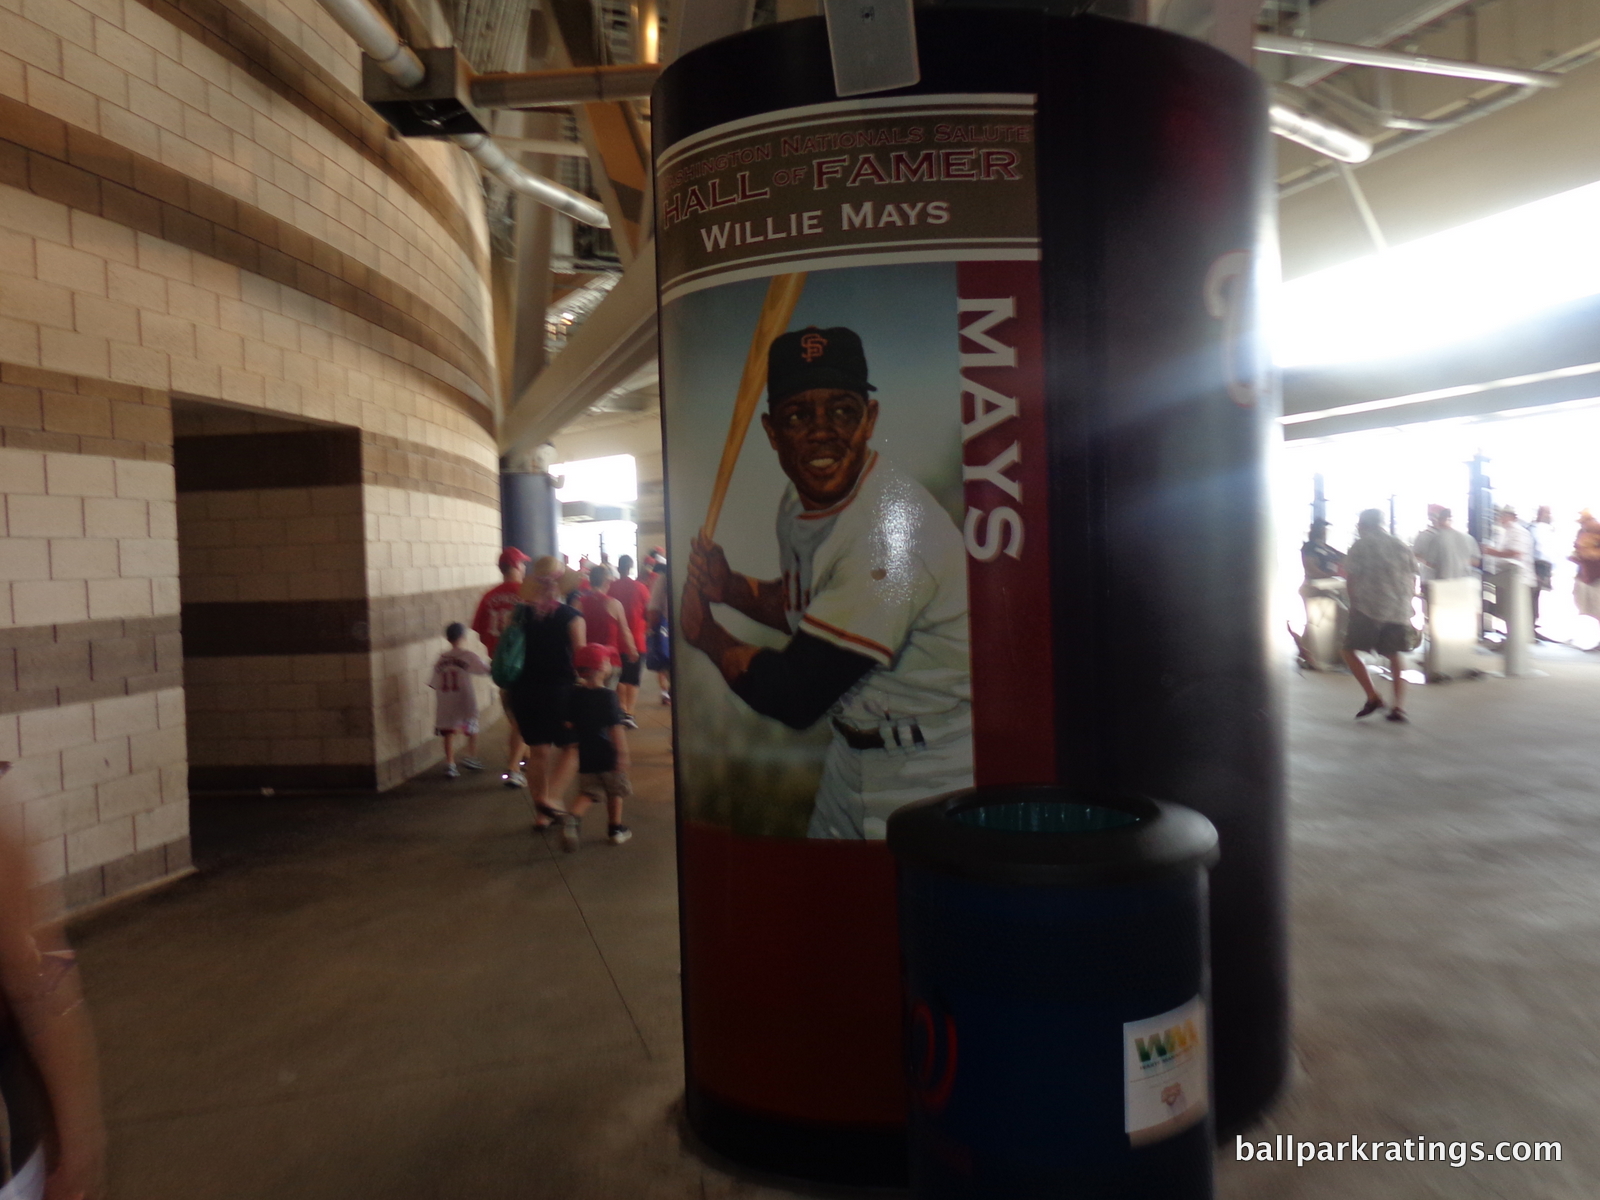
x=512 y=557
x=591 y=657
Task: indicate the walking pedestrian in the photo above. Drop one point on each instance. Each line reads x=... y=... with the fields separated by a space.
x=1586 y=553
x=659 y=654
x=1442 y=550
x=606 y=624
x=1382 y=577
x=635 y=600
x=494 y=614
x=1511 y=547
x=595 y=725
x=1544 y=561
x=552 y=632
x=456 y=700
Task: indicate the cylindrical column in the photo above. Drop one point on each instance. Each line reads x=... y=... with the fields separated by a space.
x=965 y=421
x=528 y=511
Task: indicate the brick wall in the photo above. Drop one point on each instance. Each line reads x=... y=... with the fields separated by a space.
x=195 y=205
x=91 y=706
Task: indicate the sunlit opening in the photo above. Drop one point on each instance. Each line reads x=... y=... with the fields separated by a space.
x=1447 y=288
x=613 y=480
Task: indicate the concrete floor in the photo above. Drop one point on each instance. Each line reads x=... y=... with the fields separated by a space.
x=411 y=996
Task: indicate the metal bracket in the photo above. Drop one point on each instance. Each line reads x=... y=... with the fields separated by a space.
x=874 y=45
x=438 y=107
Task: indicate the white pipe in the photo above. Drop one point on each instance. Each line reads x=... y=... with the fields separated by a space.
x=1366 y=56
x=377 y=39
x=546 y=191
x=1317 y=134
x=379 y=42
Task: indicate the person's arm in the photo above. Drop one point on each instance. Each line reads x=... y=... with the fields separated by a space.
x=42 y=991
x=759 y=599
x=476 y=665
x=619 y=740
x=579 y=633
x=614 y=608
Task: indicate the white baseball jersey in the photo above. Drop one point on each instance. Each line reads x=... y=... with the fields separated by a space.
x=456 y=699
x=883 y=573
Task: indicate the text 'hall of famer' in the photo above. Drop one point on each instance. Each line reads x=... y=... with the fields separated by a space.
x=873 y=595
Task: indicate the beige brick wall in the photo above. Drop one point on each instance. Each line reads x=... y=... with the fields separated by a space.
x=89 y=558
x=278 y=544
x=86 y=538
x=288 y=710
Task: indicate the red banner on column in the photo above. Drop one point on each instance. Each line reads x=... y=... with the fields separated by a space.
x=1006 y=523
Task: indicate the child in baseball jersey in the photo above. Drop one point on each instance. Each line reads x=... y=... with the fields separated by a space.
x=456 y=700
x=594 y=722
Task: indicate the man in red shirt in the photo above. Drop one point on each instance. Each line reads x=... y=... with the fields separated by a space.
x=493 y=615
x=607 y=625
x=634 y=598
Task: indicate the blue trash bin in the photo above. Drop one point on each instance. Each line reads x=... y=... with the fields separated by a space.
x=1055 y=970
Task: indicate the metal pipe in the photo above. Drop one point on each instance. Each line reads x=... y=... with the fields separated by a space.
x=379 y=42
x=377 y=39
x=1484 y=106
x=576 y=85
x=499 y=164
x=1366 y=56
x=1290 y=121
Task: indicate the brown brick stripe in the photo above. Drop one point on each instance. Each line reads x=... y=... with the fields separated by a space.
x=61 y=162
x=250 y=42
x=46 y=666
x=68 y=414
x=248 y=462
x=267 y=628
x=393 y=462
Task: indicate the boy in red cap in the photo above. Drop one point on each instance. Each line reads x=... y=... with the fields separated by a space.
x=594 y=722
x=489 y=622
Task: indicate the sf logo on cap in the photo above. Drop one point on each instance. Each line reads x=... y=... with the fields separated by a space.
x=812 y=345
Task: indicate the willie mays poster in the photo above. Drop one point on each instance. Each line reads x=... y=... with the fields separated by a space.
x=850 y=351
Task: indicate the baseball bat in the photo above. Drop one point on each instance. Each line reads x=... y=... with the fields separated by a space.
x=783 y=293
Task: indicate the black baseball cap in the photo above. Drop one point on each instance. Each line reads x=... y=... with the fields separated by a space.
x=808 y=358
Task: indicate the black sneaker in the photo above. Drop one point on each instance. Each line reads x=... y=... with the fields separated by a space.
x=627 y=719
x=617 y=834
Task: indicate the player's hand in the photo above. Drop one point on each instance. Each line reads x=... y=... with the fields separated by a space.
x=710 y=565
x=694 y=611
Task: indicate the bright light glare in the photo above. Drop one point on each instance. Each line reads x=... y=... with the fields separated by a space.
x=1446 y=288
x=610 y=480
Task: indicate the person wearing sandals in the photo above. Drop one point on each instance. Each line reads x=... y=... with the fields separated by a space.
x=1382 y=575
x=553 y=632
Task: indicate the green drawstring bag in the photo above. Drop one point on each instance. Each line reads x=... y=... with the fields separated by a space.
x=511 y=651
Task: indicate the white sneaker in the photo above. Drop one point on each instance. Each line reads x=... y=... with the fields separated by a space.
x=571 y=832
x=450 y=771
x=471 y=764
x=514 y=779
x=666 y=698
x=627 y=719
x=617 y=834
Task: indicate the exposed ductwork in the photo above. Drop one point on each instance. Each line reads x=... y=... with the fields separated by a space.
x=1290 y=119
x=1366 y=56
x=382 y=45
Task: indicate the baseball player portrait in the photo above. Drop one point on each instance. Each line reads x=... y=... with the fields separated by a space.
x=872 y=597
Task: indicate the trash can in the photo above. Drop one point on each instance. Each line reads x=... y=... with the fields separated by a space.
x=1056 y=978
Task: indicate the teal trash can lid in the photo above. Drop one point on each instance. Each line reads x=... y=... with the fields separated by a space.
x=1050 y=836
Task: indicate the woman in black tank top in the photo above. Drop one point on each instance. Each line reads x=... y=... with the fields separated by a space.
x=538 y=697
x=49 y=1089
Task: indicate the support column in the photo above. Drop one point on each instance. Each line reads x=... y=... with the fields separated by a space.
x=528 y=508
